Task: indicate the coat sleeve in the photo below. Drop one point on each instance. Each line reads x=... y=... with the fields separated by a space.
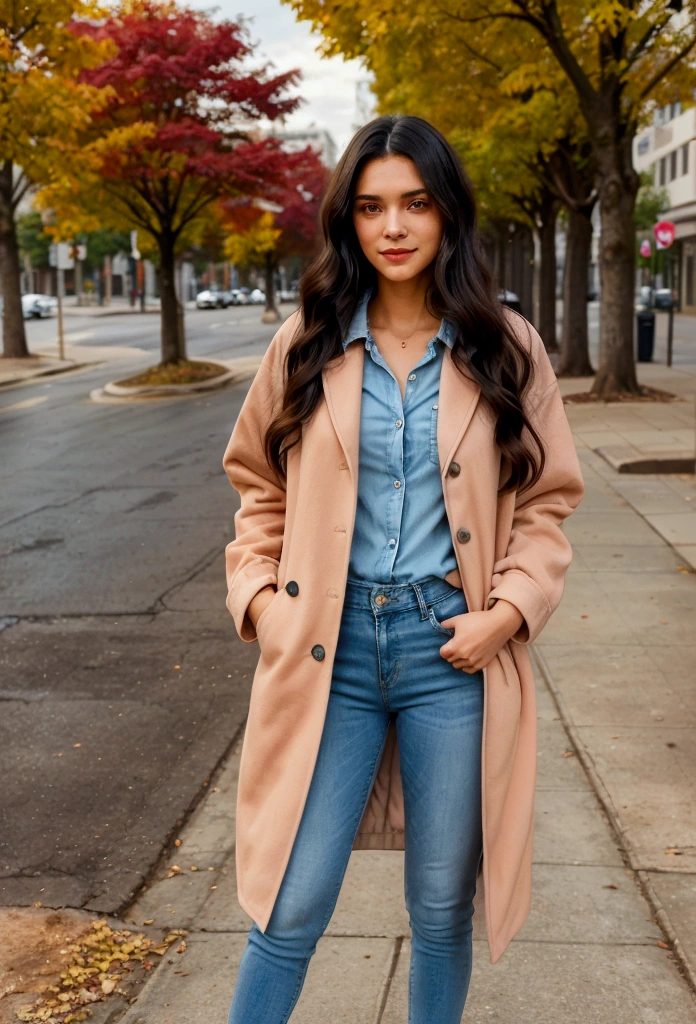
x=252 y=558
x=532 y=572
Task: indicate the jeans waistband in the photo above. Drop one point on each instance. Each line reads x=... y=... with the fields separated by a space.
x=385 y=597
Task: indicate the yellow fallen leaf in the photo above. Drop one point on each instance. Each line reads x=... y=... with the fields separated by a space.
x=108 y=985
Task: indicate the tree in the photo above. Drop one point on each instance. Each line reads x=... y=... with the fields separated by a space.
x=620 y=58
x=42 y=108
x=264 y=234
x=174 y=136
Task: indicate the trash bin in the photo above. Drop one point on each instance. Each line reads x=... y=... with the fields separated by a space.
x=646 y=335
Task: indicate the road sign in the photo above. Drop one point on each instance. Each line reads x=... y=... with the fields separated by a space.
x=59 y=256
x=664 y=232
x=645 y=248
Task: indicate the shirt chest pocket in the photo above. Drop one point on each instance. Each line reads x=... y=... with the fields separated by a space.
x=433 y=434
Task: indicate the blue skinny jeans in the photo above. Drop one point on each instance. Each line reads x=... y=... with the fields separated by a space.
x=387 y=665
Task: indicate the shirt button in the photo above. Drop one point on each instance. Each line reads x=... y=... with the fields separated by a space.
x=435 y=406
x=411 y=376
x=463 y=536
x=292 y=588
x=397 y=483
x=397 y=422
x=392 y=542
x=318 y=652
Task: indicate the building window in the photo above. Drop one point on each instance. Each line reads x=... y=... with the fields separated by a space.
x=685 y=158
x=643 y=144
x=663 y=170
x=673 y=165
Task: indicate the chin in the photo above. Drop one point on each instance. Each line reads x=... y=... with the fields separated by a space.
x=401 y=272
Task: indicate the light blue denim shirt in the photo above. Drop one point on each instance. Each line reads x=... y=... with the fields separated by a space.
x=401 y=532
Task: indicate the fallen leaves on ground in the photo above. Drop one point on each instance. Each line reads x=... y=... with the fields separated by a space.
x=94 y=966
x=186 y=371
x=644 y=394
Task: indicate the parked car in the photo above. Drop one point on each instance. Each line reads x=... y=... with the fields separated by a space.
x=257 y=296
x=663 y=298
x=239 y=297
x=37 y=307
x=288 y=295
x=510 y=299
x=213 y=298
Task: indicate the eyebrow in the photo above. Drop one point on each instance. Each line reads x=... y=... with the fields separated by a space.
x=404 y=195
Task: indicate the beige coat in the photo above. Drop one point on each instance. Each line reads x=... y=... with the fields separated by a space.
x=302 y=531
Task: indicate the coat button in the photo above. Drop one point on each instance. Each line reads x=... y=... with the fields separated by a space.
x=318 y=652
x=463 y=536
x=292 y=588
x=454 y=469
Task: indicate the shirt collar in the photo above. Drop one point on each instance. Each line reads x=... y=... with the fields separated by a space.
x=358 y=328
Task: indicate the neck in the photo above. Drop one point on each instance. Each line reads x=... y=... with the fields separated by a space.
x=396 y=304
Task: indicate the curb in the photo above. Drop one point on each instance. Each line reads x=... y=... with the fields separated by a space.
x=662 y=918
x=239 y=370
x=143 y=390
x=630 y=460
x=50 y=371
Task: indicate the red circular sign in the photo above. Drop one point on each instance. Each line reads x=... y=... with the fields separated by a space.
x=664 y=232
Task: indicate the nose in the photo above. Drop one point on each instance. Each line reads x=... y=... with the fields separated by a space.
x=394 y=226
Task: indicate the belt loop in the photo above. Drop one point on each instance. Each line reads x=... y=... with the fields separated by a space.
x=421 y=600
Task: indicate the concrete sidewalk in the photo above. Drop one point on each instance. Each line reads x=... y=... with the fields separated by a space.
x=612 y=934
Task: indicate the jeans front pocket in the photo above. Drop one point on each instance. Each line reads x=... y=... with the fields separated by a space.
x=437 y=625
x=434 y=457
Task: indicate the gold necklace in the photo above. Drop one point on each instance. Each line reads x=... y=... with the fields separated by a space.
x=408 y=336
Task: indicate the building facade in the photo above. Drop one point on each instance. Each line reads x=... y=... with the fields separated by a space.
x=668 y=149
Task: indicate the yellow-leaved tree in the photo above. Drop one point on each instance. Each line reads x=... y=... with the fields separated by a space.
x=43 y=107
x=620 y=58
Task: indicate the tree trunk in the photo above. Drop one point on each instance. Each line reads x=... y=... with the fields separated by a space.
x=14 y=338
x=575 y=354
x=271 y=314
x=617 y=186
x=173 y=333
x=545 y=273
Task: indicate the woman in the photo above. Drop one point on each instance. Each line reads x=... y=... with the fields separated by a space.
x=404 y=465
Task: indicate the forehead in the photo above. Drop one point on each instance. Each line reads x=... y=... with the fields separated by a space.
x=388 y=176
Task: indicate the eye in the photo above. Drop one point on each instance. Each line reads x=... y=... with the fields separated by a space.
x=418 y=204
x=370 y=208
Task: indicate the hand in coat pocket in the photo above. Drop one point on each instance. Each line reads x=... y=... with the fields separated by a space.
x=478 y=636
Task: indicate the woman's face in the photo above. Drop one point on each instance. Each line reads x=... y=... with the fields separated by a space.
x=398 y=225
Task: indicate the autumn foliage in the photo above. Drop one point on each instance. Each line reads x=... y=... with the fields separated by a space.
x=175 y=135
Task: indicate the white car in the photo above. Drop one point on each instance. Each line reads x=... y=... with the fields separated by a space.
x=38 y=306
x=257 y=296
x=210 y=299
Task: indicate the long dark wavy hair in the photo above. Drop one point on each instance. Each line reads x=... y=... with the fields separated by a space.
x=462 y=290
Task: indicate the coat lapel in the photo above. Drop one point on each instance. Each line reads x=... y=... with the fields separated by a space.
x=342 y=379
x=457 y=403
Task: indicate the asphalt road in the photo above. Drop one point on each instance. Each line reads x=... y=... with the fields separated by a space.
x=122 y=680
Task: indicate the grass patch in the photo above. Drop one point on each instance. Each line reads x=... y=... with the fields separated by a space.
x=186 y=371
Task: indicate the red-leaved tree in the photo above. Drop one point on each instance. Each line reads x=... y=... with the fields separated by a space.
x=284 y=225
x=175 y=136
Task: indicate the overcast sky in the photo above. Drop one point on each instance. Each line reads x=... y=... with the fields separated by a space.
x=328 y=86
